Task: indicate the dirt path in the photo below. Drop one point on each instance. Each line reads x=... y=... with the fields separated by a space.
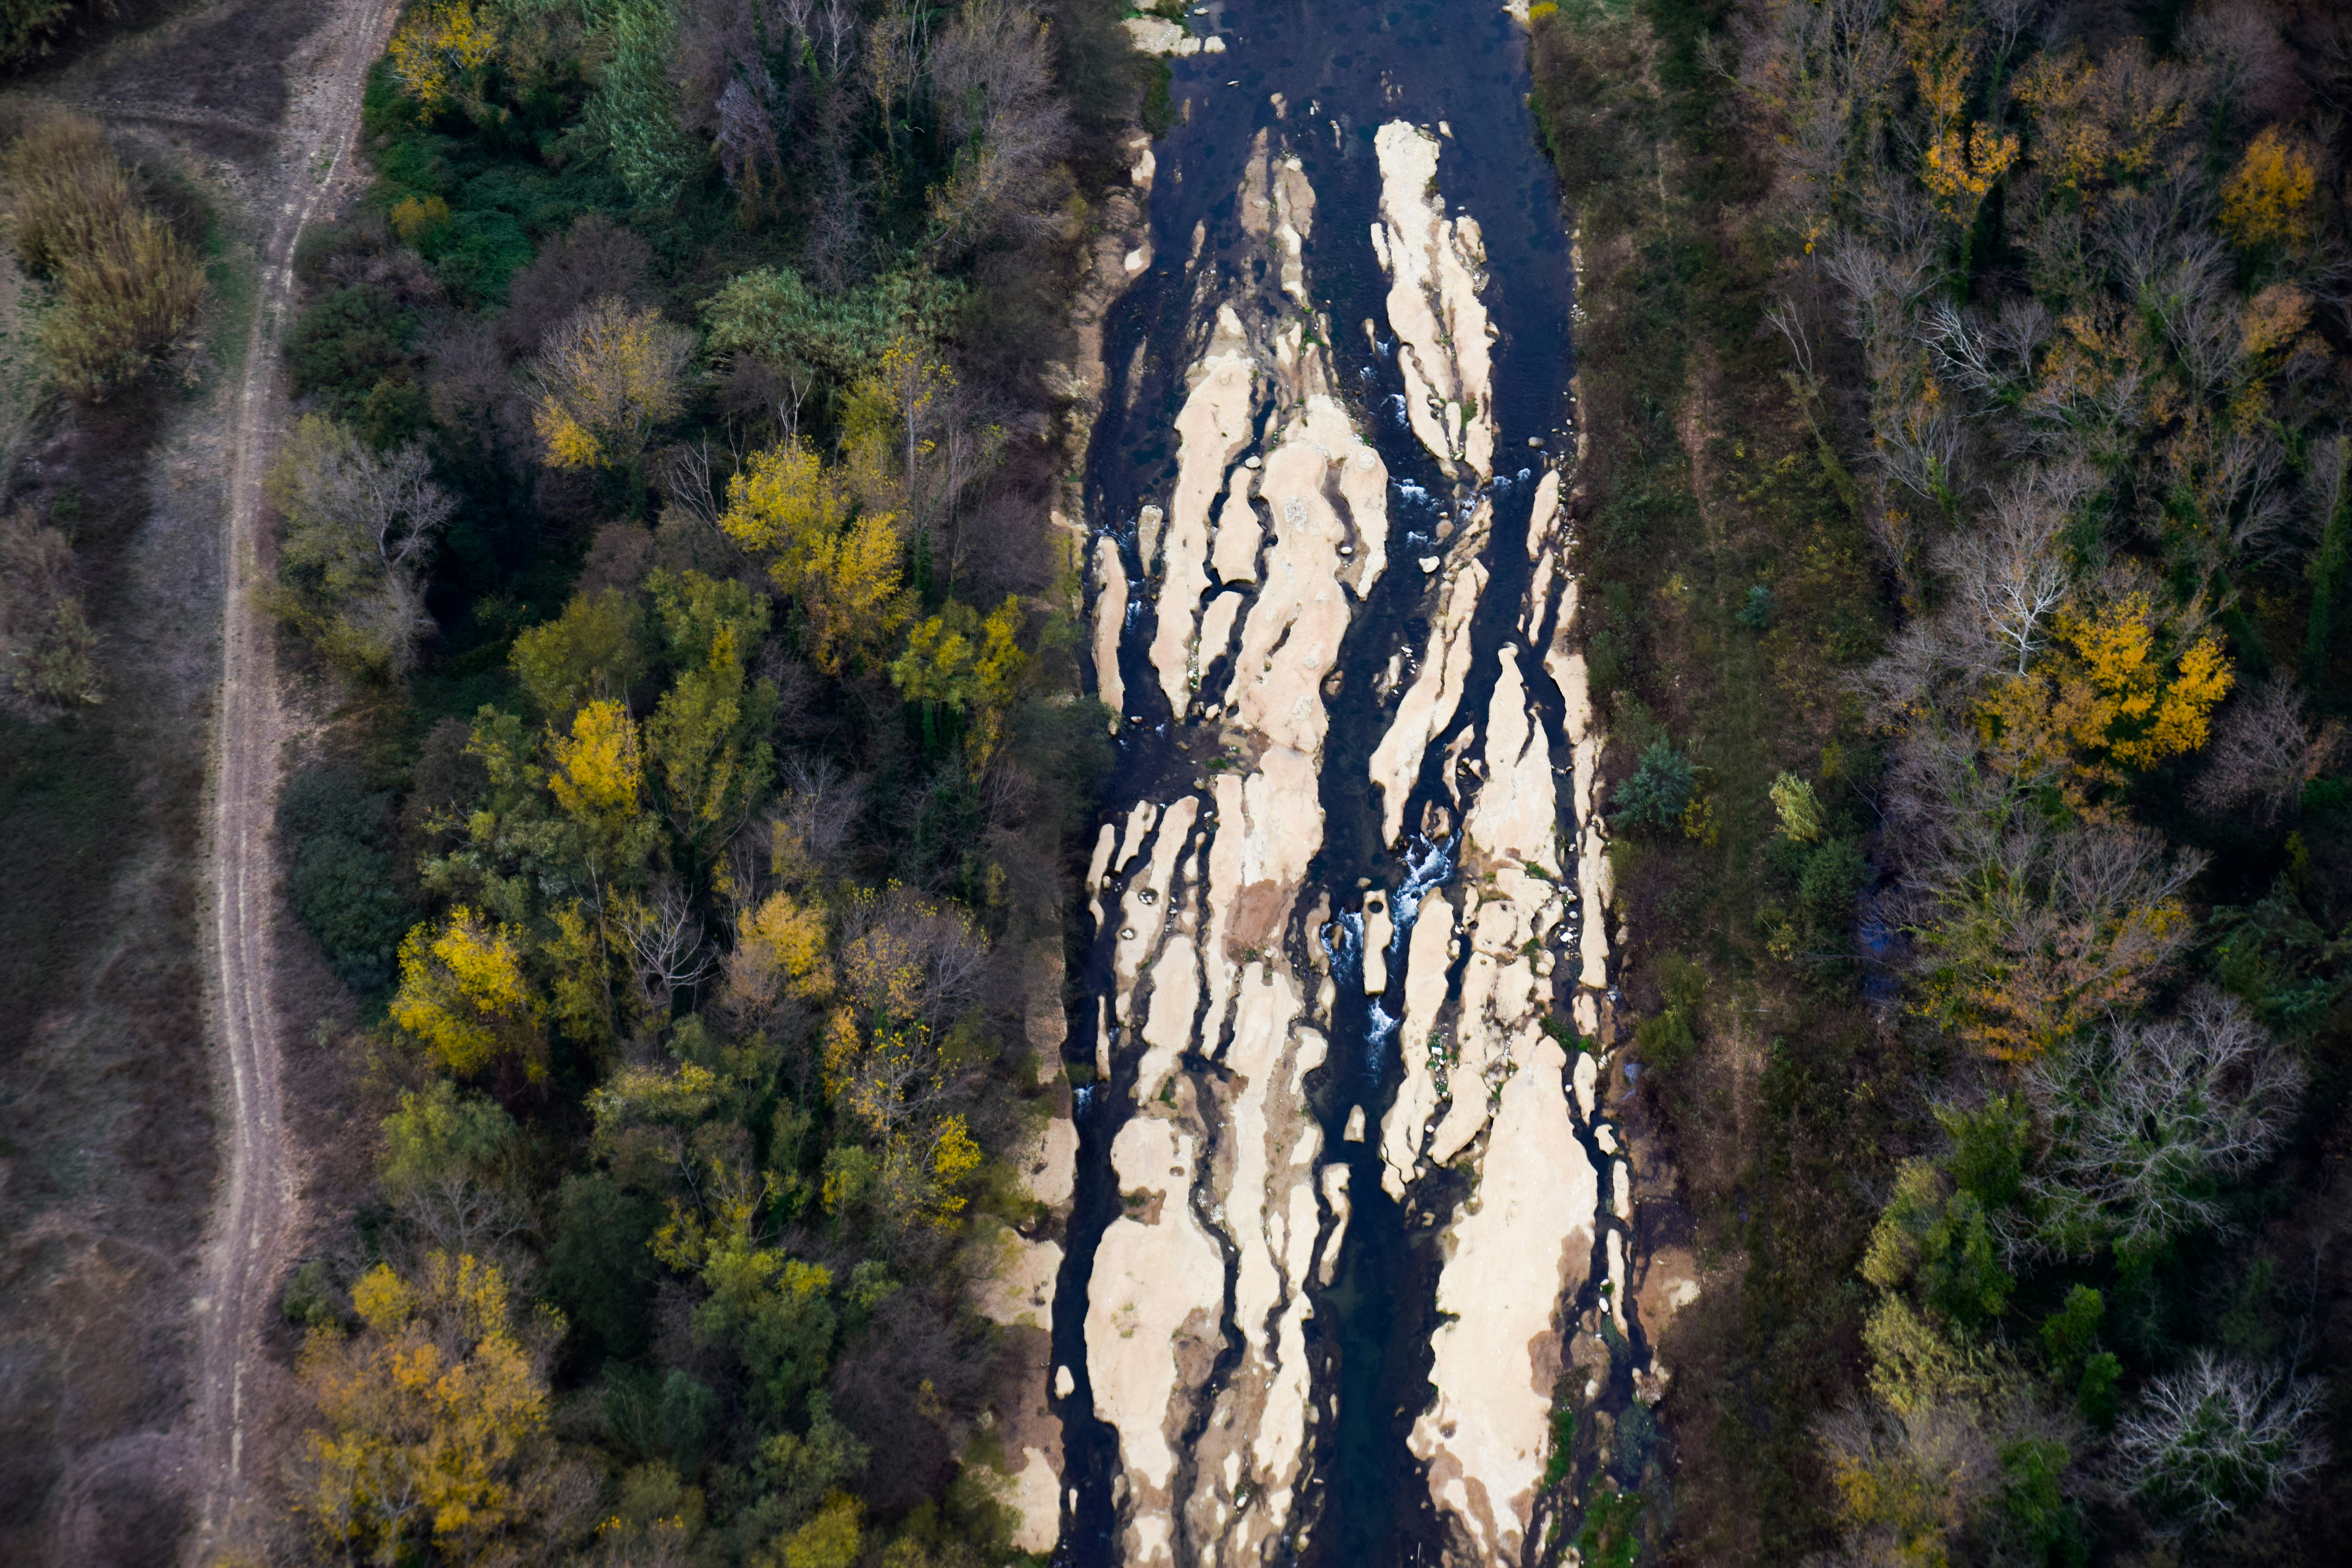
x=256 y=1210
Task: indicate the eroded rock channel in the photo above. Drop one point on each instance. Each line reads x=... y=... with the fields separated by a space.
x=1348 y=1216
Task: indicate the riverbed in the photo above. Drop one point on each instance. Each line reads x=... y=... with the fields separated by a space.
x=1349 y=1218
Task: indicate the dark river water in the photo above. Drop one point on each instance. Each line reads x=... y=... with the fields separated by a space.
x=1342 y=68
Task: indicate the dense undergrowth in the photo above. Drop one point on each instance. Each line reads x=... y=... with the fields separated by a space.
x=1966 y=387
x=668 y=511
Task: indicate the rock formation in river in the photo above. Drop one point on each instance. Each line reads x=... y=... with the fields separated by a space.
x=1253 y=564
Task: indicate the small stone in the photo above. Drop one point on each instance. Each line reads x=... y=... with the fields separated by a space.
x=1535 y=442
x=1429 y=565
x=1063 y=1384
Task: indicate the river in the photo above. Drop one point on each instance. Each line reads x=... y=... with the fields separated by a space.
x=1348 y=1213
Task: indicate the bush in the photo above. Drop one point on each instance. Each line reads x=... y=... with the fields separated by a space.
x=346 y=345
x=128 y=285
x=45 y=641
x=1659 y=791
x=339 y=873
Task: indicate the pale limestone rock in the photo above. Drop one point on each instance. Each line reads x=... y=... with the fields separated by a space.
x=1110 y=620
x=1210 y=430
x=1429 y=703
x=1527 y=1244
x=1379 y=929
x=1217 y=623
x=1418 y=1096
x=1019 y=1276
x=1239 y=532
x=1105 y=842
x=1034 y=1496
x=1159 y=36
x=1434 y=265
x=1543 y=515
x=1050 y=1166
x=1156 y=1291
x=1139 y=824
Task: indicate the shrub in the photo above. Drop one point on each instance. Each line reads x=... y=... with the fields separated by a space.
x=128 y=285
x=1659 y=791
x=46 y=642
x=346 y=344
x=339 y=873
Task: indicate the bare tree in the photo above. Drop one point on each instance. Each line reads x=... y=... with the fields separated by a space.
x=816 y=813
x=2009 y=575
x=2217 y=1438
x=992 y=79
x=2263 y=753
x=595 y=257
x=360 y=531
x=665 y=939
x=2148 y=1120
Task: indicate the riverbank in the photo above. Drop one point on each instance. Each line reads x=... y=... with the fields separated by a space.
x=1726 y=593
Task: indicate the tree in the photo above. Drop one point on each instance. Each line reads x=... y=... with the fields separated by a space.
x=1906 y=1480
x=2027 y=935
x=843 y=575
x=464 y=994
x=447 y=1167
x=2147 y=1122
x=435 y=1420
x=2266 y=200
x=707 y=738
x=591 y=651
x=959 y=664
x=1660 y=790
x=1799 y=809
x=829 y=1540
x=360 y=531
x=2127 y=687
x=774 y=1311
x=772 y=315
x=602 y=380
x=438 y=52
x=991 y=75
x=2265 y=753
x=2218 y=1437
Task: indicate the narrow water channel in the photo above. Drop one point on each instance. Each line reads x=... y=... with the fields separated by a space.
x=1329 y=1160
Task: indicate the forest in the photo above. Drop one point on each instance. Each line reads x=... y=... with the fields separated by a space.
x=1967 y=385
x=663 y=549
x=673 y=573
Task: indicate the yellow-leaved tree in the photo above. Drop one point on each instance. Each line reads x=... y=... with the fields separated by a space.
x=598 y=778
x=438 y=49
x=1963 y=161
x=2122 y=689
x=2267 y=198
x=602 y=380
x=843 y=571
x=433 y=1420
x=956 y=662
x=463 y=994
